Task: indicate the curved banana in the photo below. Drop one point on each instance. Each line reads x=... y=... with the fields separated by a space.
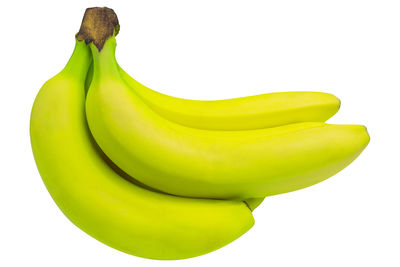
x=244 y=113
x=214 y=164
x=105 y=205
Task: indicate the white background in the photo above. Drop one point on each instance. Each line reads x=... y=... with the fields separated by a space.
x=214 y=50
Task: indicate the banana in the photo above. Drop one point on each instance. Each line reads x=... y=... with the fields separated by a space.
x=214 y=164
x=244 y=113
x=105 y=205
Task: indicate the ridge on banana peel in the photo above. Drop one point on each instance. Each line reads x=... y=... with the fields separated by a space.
x=213 y=164
x=243 y=113
x=105 y=205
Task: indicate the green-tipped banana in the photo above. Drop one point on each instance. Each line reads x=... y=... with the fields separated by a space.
x=215 y=164
x=103 y=204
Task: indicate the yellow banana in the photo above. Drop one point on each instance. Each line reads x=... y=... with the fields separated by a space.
x=245 y=113
x=202 y=163
x=105 y=205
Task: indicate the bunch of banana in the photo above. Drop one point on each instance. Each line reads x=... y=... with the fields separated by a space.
x=170 y=178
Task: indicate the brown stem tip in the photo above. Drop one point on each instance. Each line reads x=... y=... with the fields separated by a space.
x=98 y=24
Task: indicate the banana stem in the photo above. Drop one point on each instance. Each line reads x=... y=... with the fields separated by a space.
x=104 y=62
x=98 y=29
x=98 y=24
x=78 y=63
